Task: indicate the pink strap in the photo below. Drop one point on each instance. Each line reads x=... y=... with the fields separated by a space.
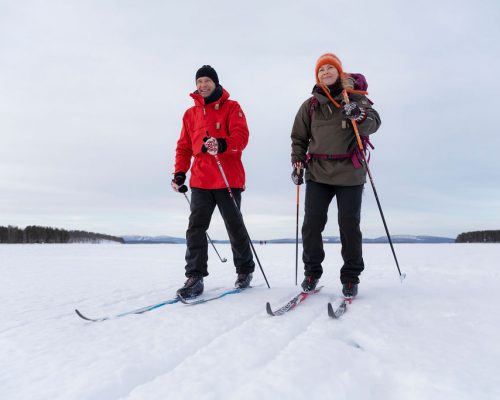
x=356 y=157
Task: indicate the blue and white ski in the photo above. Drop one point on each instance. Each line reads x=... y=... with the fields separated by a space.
x=135 y=311
x=197 y=300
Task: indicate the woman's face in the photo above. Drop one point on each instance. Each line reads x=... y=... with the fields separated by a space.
x=328 y=74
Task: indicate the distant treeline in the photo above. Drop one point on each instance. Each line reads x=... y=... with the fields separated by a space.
x=479 y=237
x=42 y=234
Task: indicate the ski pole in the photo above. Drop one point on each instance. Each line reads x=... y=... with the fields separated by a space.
x=208 y=237
x=362 y=150
x=297 y=231
x=241 y=216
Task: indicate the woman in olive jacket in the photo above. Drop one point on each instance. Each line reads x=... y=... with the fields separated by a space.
x=324 y=144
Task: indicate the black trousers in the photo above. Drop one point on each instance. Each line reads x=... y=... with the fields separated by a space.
x=318 y=199
x=203 y=203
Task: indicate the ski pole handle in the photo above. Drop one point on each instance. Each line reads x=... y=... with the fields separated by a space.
x=354 y=124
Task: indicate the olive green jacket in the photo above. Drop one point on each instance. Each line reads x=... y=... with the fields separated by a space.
x=327 y=131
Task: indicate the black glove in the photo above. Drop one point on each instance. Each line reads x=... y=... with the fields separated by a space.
x=214 y=145
x=353 y=111
x=298 y=173
x=179 y=178
x=178 y=182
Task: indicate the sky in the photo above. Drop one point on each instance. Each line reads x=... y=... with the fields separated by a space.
x=92 y=96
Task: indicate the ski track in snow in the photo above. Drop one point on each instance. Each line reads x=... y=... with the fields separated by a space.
x=435 y=335
x=236 y=341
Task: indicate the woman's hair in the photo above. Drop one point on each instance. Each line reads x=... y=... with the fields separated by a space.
x=347 y=81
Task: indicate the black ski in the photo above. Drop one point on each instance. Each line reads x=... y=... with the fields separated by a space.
x=290 y=305
x=336 y=310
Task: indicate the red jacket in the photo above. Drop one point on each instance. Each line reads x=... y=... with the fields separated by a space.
x=221 y=119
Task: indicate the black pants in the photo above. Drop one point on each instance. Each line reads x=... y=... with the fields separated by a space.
x=318 y=199
x=203 y=203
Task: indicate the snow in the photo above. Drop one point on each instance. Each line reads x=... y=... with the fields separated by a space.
x=433 y=336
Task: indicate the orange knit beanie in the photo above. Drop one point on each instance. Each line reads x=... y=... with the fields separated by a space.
x=328 y=58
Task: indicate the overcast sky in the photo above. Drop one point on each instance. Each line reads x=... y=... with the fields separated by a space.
x=92 y=95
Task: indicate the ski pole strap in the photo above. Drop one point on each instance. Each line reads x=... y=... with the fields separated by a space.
x=366 y=141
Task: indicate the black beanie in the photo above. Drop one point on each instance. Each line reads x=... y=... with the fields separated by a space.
x=209 y=72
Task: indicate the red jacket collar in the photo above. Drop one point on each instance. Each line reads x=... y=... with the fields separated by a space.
x=200 y=101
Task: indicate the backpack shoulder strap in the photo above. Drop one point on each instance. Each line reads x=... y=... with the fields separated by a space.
x=313 y=104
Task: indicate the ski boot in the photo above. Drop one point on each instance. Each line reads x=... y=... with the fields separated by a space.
x=243 y=281
x=350 y=289
x=192 y=288
x=309 y=283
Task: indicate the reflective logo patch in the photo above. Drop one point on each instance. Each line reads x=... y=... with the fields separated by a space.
x=217 y=125
x=240 y=114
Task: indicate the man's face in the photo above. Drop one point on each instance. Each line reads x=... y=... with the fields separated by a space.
x=205 y=86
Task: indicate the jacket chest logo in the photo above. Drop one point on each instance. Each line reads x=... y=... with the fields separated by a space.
x=217 y=125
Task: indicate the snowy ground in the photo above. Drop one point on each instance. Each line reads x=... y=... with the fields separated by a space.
x=436 y=336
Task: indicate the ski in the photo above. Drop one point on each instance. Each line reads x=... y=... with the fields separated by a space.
x=195 y=300
x=336 y=310
x=290 y=305
x=135 y=311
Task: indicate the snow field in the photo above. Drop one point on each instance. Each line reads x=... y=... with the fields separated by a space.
x=434 y=335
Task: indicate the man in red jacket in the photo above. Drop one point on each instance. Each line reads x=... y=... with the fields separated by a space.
x=215 y=125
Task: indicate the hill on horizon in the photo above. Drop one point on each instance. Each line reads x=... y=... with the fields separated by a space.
x=136 y=239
